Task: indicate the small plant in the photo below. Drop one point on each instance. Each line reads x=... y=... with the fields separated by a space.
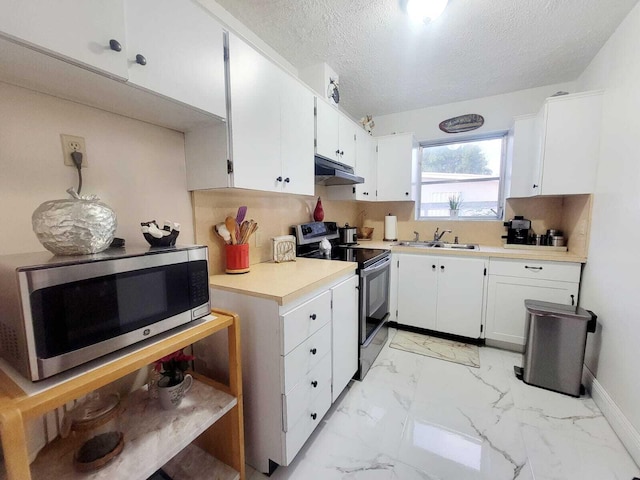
x=173 y=367
x=454 y=202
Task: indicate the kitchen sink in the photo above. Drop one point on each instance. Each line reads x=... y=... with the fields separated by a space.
x=431 y=244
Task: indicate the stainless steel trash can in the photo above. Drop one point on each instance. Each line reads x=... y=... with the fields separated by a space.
x=556 y=336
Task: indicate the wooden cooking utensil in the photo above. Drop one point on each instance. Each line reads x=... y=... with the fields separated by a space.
x=231 y=225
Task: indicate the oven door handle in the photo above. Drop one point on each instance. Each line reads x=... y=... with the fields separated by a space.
x=377 y=266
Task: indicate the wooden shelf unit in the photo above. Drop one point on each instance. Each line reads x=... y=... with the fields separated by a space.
x=219 y=431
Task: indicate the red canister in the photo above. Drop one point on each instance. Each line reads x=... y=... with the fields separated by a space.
x=237 y=258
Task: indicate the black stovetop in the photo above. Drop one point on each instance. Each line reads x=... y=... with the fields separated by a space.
x=364 y=256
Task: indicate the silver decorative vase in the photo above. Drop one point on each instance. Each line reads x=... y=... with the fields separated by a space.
x=75 y=226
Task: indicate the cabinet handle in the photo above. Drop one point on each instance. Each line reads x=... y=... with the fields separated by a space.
x=314 y=384
x=532 y=268
x=287 y=180
x=573 y=300
x=313 y=351
x=313 y=316
x=535 y=186
x=279 y=179
x=314 y=415
x=115 y=45
x=140 y=60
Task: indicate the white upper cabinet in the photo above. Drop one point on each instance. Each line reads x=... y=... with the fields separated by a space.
x=521 y=145
x=327 y=130
x=176 y=49
x=366 y=167
x=335 y=134
x=297 y=133
x=271 y=125
x=90 y=33
x=396 y=167
x=347 y=132
x=566 y=152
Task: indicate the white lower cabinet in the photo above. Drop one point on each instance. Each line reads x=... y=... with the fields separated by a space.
x=441 y=293
x=511 y=282
x=297 y=358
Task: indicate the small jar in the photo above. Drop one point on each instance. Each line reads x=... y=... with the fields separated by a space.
x=95 y=424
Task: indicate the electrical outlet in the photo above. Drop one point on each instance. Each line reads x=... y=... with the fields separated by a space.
x=258 y=236
x=71 y=144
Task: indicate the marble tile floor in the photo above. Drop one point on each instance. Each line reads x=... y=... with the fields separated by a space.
x=420 y=418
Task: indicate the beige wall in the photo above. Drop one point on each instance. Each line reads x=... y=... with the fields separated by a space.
x=274 y=212
x=136 y=168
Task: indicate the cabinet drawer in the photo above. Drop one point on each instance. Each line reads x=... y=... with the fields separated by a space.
x=312 y=416
x=303 y=321
x=303 y=359
x=543 y=270
x=295 y=403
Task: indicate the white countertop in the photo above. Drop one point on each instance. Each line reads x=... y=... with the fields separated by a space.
x=284 y=282
x=483 y=251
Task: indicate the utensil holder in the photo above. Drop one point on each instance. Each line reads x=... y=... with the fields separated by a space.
x=237 y=258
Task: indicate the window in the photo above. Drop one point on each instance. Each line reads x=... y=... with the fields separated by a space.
x=469 y=171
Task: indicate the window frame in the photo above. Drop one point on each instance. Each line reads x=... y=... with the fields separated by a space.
x=468 y=139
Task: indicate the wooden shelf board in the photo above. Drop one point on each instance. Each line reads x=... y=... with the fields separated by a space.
x=41 y=397
x=193 y=463
x=152 y=435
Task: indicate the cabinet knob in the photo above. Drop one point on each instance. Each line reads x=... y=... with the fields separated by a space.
x=140 y=60
x=341 y=152
x=535 y=186
x=442 y=268
x=573 y=300
x=279 y=179
x=115 y=45
x=313 y=351
x=287 y=180
x=314 y=384
x=433 y=267
x=337 y=152
x=313 y=316
x=406 y=193
x=314 y=415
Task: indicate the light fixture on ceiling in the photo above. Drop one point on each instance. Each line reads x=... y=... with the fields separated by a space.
x=425 y=10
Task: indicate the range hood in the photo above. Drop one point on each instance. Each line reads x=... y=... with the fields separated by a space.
x=329 y=173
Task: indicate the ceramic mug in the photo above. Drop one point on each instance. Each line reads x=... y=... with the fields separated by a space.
x=171 y=397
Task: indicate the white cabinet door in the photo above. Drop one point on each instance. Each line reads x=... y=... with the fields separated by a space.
x=345 y=334
x=571 y=144
x=394 y=166
x=327 y=130
x=460 y=294
x=417 y=290
x=297 y=133
x=521 y=161
x=347 y=133
x=366 y=167
x=182 y=48
x=506 y=315
x=78 y=31
x=254 y=85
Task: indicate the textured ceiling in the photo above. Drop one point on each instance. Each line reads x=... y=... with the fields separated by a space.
x=476 y=48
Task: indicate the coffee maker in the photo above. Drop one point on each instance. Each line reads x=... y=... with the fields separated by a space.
x=518 y=230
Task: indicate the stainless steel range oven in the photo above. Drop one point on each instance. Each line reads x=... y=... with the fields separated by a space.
x=374 y=271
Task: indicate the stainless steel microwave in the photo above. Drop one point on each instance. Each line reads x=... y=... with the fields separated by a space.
x=59 y=312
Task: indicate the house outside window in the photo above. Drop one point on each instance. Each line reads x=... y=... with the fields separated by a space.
x=470 y=170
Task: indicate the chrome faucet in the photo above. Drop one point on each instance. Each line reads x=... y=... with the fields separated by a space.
x=417 y=236
x=437 y=236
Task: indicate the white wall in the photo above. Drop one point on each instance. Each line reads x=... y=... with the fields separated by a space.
x=498 y=112
x=610 y=279
x=136 y=168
